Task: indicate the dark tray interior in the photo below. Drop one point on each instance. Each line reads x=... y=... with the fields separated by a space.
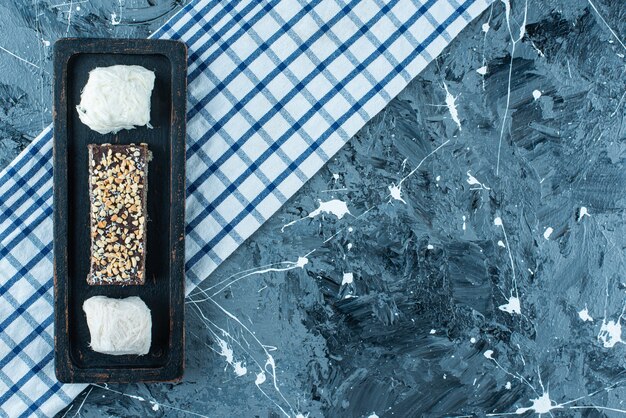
x=163 y=291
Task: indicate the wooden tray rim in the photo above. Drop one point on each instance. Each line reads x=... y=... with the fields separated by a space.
x=64 y=49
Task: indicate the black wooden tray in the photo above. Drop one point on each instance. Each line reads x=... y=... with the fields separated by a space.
x=163 y=291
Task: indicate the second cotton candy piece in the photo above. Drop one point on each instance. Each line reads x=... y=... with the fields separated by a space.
x=119 y=326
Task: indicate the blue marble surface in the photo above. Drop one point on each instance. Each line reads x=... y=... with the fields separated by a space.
x=483 y=277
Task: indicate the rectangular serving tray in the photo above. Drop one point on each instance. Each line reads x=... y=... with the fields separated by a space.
x=163 y=292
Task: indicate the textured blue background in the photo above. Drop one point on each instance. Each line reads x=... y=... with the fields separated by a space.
x=408 y=336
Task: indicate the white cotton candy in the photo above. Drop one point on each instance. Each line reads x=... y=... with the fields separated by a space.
x=118 y=326
x=116 y=98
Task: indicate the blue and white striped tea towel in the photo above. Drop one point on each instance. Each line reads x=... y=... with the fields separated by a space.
x=275 y=89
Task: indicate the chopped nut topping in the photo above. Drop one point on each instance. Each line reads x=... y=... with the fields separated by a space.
x=117 y=213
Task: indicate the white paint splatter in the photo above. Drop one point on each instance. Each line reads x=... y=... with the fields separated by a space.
x=584 y=315
x=260 y=378
x=471 y=180
x=618 y=104
x=240 y=369
x=536 y=94
x=607 y=25
x=69 y=16
x=548 y=232
x=395 y=192
x=433 y=331
x=335 y=176
x=348 y=278
x=541 y=405
x=115 y=19
x=349 y=246
x=54 y=6
x=336 y=207
x=539 y=51
x=438 y=178
x=350 y=229
x=232 y=279
x=472 y=340
x=489 y=355
x=19 y=58
x=501 y=244
x=451 y=104
x=485 y=27
x=522 y=28
x=228 y=354
x=155 y=405
x=611 y=333
x=77 y=413
x=270 y=365
x=569 y=70
x=45 y=42
x=582 y=213
x=508 y=385
x=430 y=247
x=512 y=306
